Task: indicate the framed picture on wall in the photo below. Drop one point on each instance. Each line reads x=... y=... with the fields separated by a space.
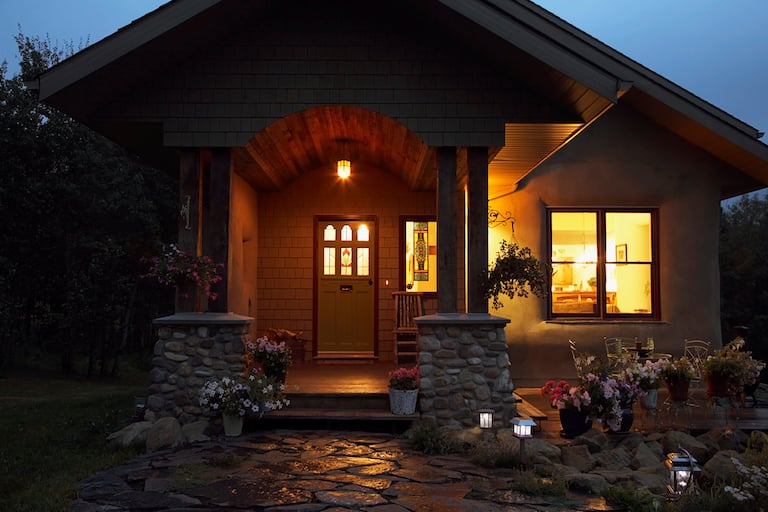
x=621 y=253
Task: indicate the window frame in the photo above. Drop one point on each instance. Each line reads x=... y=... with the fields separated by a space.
x=602 y=262
x=403 y=219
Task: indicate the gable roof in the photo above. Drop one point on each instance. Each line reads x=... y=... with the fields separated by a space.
x=569 y=64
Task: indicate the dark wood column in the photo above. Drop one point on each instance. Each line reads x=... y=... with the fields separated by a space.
x=189 y=233
x=217 y=239
x=477 y=227
x=447 y=300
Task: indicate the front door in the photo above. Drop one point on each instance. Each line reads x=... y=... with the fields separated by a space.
x=344 y=262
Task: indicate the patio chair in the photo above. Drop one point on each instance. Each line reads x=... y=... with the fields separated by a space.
x=696 y=351
x=407 y=307
x=575 y=356
x=615 y=346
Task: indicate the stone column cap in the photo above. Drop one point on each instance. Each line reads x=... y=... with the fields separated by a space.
x=203 y=318
x=461 y=318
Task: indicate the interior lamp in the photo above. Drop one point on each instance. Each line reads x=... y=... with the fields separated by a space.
x=343 y=169
x=682 y=468
x=486 y=418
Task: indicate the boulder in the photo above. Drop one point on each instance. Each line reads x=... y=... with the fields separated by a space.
x=133 y=435
x=195 y=432
x=164 y=433
x=578 y=457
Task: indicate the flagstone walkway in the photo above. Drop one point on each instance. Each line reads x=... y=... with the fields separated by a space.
x=298 y=471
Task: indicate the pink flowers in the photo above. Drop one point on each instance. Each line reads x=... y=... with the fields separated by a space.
x=175 y=267
x=404 y=378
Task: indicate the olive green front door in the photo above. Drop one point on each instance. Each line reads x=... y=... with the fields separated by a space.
x=345 y=286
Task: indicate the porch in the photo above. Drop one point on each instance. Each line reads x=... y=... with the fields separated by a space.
x=325 y=395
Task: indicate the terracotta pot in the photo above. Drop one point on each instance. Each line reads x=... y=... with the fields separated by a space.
x=574 y=423
x=719 y=386
x=678 y=389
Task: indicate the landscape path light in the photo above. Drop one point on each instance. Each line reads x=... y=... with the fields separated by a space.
x=682 y=468
x=522 y=428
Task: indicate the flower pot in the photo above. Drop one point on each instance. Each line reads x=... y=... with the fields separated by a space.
x=719 y=386
x=233 y=424
x=651 y=400
x=403 y=401
x=678 y=389
x=276 y=372
x=574 y=422
x=627 y=418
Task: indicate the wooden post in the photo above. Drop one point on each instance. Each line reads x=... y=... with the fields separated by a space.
x=446 y=230
x=477 y=226
x=218 y=223
x=189 y=220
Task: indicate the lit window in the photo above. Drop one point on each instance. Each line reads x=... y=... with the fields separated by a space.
x=603 y=263
x=419 y=250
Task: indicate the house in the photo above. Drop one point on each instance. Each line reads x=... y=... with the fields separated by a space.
x=464 y=122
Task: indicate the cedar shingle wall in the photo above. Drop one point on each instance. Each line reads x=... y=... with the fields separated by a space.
x=225 y=96
x=286 y=223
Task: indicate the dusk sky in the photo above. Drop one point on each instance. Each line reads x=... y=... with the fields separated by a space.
x=717 y=50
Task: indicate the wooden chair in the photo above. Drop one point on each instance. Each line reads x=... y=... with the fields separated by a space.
x=575 y=355
x=407 y=307
x=696 y=351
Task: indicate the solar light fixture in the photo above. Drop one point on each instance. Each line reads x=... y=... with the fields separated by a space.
x=682 y=468
x=522 y=428
x=486 y=418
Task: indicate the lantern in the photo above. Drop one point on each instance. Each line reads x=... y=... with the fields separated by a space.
x=486 y=418
x=682 y=468
x=522 y=428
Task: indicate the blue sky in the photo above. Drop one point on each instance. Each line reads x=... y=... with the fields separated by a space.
x=716 y=49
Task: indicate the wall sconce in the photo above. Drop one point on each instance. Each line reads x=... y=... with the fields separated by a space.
x=682 y=468
x=343 y=169
x=522 y=428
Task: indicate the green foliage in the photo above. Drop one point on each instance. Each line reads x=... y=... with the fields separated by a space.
x=428 y=438
x=743 y=273
x=54 y=435
x=515 y=272
x=536 y=484
x=78 y=215
x=495 y=455
x=630 y=497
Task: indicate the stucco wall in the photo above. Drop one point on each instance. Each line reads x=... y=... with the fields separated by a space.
x=621 y=161
x=286 y=223
x=243 y=248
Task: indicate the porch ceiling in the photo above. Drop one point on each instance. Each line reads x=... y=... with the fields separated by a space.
x=318 y=137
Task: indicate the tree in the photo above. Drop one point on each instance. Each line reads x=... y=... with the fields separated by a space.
x=79 y=214
x=743 y=272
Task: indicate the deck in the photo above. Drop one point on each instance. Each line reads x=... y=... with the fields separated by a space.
x=325 y=394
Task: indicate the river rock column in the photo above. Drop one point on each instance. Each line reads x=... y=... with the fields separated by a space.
x=192 y=348
x=464 y=367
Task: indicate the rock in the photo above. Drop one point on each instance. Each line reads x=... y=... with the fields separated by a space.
x=594 y=439
x=615 y=459
x=134 y=435
x=590 y=483
x=539 y=451
x=164 y=433
x=195 y=432
x=720 y=468
x=578 y=457
x=644 y=456
x=673 y=440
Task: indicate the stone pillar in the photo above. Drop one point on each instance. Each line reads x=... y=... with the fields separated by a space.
x=192 y=348
x=464 y=368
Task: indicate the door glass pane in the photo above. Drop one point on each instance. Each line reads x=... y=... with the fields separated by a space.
x=420 y=246
x=363 y=265
x=329 y=233
x=329 y=261
x=362 y=233
x=346 y=260
x=346 y=233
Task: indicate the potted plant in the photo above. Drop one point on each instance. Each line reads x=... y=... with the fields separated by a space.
x=266 y=393
x=515 y=272
x=272 y=355
x=648 y=377
x=594 y=398
x=730 y=369
x=677 y=374
x=230 y=398
x=404 y=390
x=187 y=272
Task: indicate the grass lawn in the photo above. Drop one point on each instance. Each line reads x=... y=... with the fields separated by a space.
x=53 y=434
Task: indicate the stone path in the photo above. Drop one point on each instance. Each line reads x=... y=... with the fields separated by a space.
x=297 y=471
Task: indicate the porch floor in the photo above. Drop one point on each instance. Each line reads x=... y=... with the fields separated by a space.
x=358 y=391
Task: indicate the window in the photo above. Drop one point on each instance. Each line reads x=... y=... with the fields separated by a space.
x=603 y=263
x=418 y=247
